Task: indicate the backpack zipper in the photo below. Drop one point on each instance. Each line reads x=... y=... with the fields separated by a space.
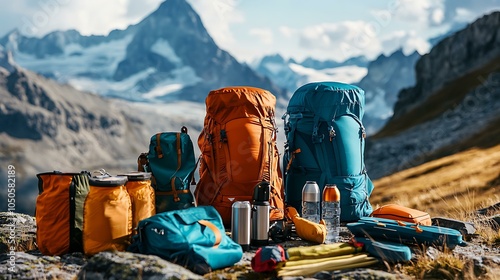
x=335 y=146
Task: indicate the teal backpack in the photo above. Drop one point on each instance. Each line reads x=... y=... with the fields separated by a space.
x=325 y=142
x=171 y=160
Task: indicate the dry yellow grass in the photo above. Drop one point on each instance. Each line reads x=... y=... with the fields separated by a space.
x=453 y=186
x=445 y=266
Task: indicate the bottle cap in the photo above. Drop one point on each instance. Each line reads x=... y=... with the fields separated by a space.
x=241 y=204
x=310 y=192
x=261 y=192
x=331 y=193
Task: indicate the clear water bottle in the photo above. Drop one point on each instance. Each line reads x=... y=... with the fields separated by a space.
x=311 y=201
x=331 y=212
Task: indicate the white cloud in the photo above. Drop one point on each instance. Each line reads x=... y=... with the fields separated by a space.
x=425 y=12
x=441 y=12
x=437 y=16
x=342 y=40
x=223 y=18
x=264 y=34
x=463 y=15
x=36 y=18
x=415 y=43
x=136 y=10
x=287 y=31
x=409 y=41
x=460 y=11
x=217 y=16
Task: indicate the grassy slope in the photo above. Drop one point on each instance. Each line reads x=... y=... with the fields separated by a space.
x=449 y=186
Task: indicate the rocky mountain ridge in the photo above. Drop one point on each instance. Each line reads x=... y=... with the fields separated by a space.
x=475 y=47
x=386 y=76
x=382 y=79
x=452 y=107
x=291 y=74
x=45 y=126
x=317 y=64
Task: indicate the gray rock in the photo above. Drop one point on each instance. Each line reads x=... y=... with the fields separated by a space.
x=20 y=226
x=34 y=266
x=489 y=210
x=6 y=60
x=432 y=253
x=455 y=56
x=124 y=265
x=482 y=265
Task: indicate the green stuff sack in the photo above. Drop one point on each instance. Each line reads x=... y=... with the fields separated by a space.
x=59 y=212
x=325 y=142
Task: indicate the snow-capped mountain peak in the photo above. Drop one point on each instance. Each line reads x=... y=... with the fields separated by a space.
x=291 y=74
x=169 y=55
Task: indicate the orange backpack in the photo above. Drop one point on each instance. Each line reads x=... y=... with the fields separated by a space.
x=238 y=150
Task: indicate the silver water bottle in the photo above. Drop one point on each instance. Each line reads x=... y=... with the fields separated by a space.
x=311 y=202
x=260 y=214
x=240 y=224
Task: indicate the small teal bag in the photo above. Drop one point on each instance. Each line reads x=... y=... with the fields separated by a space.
x=171 y=159
x=194 y=238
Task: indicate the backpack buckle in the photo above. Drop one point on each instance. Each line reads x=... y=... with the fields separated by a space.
x=223 y=136
x=316 y=139
x=331 y=133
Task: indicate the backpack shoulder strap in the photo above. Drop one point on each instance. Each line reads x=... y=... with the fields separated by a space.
x=159 y=152
x=320 y=151
x=178 y=147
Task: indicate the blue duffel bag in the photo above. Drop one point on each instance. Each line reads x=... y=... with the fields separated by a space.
x=194 y=238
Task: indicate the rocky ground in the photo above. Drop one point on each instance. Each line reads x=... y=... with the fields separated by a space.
x=482 y=260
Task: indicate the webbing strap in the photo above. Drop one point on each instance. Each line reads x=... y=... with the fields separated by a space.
x=292 y=157
x=209 y=138
x=264 y=149
x=223 y=144
x=218 y=235
x=171 y=192
x=174 y=190
x=291 y=126
x=159 y=152
x=179 y=151
x=321 y=163
x=320 y=151
x=179 y=160
x=336 y=151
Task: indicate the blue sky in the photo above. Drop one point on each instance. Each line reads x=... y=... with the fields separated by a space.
x=249 y=29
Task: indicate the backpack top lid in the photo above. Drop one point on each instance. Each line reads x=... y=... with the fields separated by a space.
x=328 y=100
x=229 y=103
x=108 y=181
